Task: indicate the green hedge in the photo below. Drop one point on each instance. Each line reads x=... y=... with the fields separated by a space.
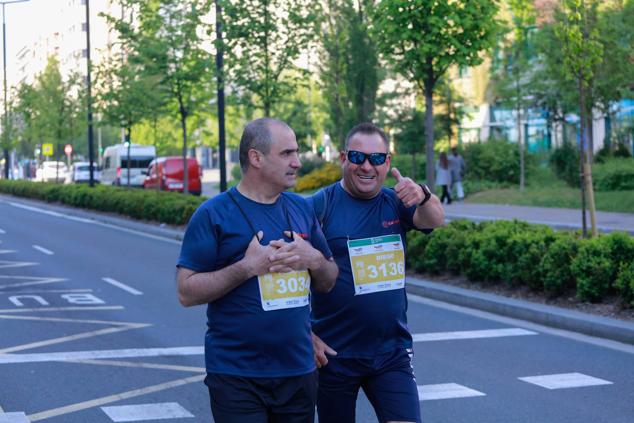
x=615 y=174
x=495 y=160
x=521 y=254
x=167 y=207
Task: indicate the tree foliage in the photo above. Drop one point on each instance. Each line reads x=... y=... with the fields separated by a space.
x=263 y=39
x=422 y=39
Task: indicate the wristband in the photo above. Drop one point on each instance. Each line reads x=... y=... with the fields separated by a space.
x=427 y=193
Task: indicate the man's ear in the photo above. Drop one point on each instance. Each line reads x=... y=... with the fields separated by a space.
x=342 y=156
x=255 y=158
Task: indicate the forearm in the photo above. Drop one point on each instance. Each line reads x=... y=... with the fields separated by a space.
x=201 y=288
x=324 y=274
x=430 y=215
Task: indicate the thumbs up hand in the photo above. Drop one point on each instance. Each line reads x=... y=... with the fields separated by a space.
x=408 y=191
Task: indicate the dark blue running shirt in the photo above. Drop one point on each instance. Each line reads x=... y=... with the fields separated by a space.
x=242 y=339
x=360 y=326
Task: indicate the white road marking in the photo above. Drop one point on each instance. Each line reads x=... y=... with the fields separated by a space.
x=94 y=222
x=5 y=263
x=43 y=250
x=14 y=417
x=141 y=365
x=446 y=391
x=122 y=286
x=141 y=412
x=48 y=291
x=7 y=251
x=2 y=231
x=103 y=354
x=74 y=337
x=113 y=398
x=48 y=309
x=564 y=380
x=601 y=342
x=470 y=334
x=32 y=280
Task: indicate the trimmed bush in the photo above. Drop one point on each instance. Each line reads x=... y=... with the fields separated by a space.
x=592 y=270
x=613 y=175
x=495 y=160
x=565 y=163
x=556 y=262
x=624 y=283
x=325 y=175
x=525 y=251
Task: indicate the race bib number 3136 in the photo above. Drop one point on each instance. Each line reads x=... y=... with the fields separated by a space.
x=378 y=264
x=284 y=290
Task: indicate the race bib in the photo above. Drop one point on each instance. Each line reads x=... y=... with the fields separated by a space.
x=378 y=264
x=284 y=290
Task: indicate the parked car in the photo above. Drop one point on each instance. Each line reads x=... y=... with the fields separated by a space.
x=80 y=173
x=51 y=172
x=166 y=174
x=115 y=164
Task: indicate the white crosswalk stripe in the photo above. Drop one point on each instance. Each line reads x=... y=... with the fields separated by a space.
x=13 y=418
x=141 y=412
x=470 y=334
x=446 y=391
x=564 y=380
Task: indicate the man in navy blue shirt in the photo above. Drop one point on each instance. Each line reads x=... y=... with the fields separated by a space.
x=252 y=254
x=362 y=322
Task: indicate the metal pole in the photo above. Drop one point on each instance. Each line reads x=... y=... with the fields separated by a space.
x=6 y=116
x=221 y=99
x=4 y=66
x=91 y=152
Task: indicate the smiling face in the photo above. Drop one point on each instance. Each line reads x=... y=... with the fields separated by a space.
x=364 y=180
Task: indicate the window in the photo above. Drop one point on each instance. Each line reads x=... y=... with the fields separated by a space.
x=107 y=165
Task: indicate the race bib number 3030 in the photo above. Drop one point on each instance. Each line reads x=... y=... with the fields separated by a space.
x=378 y=264
x=284 y=290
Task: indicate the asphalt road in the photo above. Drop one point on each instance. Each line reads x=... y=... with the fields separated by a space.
x=91 y=331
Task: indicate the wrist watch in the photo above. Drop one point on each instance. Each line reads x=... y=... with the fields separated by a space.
x=427 y=194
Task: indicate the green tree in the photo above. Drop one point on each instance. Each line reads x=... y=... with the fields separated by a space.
x=582 y=53
x=167 y=40
x=349 y=70
x=423 y=39
x=263 y=40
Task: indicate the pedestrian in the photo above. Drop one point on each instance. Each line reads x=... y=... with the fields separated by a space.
x=457 y=168
x=252 y=254
x=443 y=177
x=360 y=330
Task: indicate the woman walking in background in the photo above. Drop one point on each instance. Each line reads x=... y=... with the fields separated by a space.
x=443 y=177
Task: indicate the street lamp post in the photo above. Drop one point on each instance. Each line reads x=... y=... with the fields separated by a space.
x=4 y=65
x=91 y=153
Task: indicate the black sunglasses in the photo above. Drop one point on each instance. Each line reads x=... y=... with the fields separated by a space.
x=358 y=158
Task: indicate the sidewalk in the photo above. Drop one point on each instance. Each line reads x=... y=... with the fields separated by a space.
x=556 y=218
x=602 y=327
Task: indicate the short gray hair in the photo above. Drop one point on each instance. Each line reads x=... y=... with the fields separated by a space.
x=367 y=128
x=257 y=136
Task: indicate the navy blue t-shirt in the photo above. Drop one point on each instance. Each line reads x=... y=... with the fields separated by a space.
x=360 y=326
x=242 y=339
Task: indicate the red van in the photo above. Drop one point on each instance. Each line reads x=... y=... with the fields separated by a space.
x=166 y=174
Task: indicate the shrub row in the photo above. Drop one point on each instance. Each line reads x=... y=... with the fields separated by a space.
x=521 y=254
x=165 y=207
x=615 y=174
x=320 y=177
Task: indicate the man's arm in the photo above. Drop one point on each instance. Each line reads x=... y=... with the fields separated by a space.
x=299 y=255
x=199 y=288
x=428 y=216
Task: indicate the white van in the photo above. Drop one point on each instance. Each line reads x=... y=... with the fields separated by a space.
x=115 y=164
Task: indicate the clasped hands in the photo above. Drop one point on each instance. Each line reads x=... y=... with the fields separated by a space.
x=280 y=256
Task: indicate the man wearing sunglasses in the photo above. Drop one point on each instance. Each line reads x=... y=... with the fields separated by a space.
x=361 y=339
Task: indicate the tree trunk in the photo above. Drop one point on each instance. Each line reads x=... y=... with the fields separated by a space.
x=520 y=138
x=429 y=134
x=185 y=167
x=582 y=154
x=128 y=132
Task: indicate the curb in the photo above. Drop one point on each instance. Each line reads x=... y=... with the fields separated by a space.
x=597 y=326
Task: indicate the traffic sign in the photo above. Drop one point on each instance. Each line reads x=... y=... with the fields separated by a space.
x=68 y=149
x=47 y=149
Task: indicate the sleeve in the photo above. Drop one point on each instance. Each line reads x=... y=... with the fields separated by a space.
x=200 y=244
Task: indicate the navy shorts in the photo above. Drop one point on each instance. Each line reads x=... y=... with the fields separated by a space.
x=262 y=400
x=387 y=380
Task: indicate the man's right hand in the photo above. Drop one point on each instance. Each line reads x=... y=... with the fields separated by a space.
x=256 y=258
x=320 y=349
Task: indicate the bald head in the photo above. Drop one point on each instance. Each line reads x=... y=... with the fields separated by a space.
x=257 y=135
